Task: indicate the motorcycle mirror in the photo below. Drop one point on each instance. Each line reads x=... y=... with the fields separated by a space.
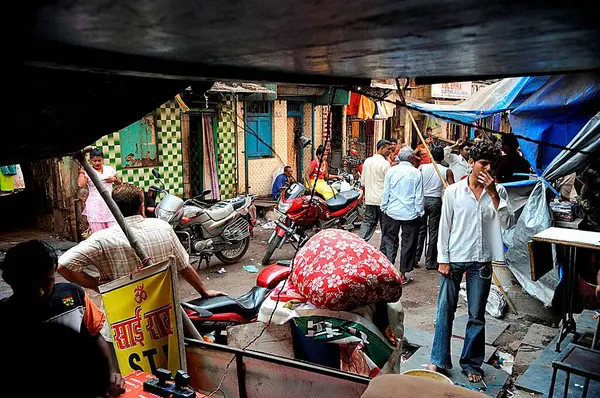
x=304 y=142
x=155 y=188
x=204 y=193
x=155 y=173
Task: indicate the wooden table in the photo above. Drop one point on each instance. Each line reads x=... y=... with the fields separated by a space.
x=571 y=239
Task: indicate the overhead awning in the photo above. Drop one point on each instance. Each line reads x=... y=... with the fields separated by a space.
x=388 y=84
x=341 y=97
x=251 y=91
x=542 y=110
x=298 y=90
x=495 y=98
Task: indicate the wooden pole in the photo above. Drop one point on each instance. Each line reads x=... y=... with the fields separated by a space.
x=437 y=170
x=188 y=326
x=114 y=209
x=508 y=300
x=495 y=278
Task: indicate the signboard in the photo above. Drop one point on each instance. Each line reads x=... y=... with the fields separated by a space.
x=460 y=90
x=143 y=314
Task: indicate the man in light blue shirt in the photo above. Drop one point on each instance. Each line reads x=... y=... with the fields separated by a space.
x=402 y=206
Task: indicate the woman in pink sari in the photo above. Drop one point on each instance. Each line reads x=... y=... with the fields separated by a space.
x=96 y=210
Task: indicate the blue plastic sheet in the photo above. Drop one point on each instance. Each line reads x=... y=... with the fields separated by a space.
x=555 y=113
x=496 y=98
x=562 y=110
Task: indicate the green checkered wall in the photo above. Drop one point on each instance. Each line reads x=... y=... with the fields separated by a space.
x=226 y=147
x=168 y=136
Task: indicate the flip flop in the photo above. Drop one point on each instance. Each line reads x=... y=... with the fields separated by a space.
x=473 y=374
x=442 y=371
x=406 y=281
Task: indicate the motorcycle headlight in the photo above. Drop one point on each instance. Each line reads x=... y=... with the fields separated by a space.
x=283 y=207
x=166 y=215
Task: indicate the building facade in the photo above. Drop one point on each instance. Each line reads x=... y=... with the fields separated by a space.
x=232 y=146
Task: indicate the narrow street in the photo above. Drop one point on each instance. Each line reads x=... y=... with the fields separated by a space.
x=511 y=335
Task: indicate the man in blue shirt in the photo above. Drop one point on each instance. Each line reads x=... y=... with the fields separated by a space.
x=402 y=206
x=281 y=180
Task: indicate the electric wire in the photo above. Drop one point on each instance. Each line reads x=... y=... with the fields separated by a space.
x=456 y=121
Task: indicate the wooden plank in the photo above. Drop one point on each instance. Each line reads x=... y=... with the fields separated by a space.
x=540 y=259
x=569 y=237
x=275 y=340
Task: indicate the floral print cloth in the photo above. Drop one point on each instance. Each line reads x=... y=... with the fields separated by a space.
x=337 y=270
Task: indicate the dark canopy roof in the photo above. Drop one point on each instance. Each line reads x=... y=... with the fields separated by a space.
x=143 y=45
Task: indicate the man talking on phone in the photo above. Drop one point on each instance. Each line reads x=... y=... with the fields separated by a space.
x=474 y=211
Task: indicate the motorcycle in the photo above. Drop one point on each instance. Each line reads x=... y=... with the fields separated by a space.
x=301 y=212
x=353 y=164
x=348 y=183
x=222 y=228
x=215 y=314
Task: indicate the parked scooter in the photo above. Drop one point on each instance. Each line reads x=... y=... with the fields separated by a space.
x=299 y=213
x=217 y=313
x=222 y=229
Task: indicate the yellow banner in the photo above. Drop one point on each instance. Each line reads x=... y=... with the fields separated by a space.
x=141 y=312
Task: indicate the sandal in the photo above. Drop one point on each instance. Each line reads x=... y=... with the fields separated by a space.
x=467 y=374
x=406 y=281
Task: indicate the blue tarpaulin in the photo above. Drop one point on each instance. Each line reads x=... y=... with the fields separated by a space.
x=504 y=95
x=555 y=113
x=544 y=108
x=561 y=110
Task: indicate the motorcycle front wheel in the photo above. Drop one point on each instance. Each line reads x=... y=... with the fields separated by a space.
x=235 y=254
x=271 y=249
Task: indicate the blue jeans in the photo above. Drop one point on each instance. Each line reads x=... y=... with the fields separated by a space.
x=479 y=277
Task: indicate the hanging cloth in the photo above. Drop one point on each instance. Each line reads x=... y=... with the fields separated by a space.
x=353 y=106
x=211 y=175
x=379 y=132
x=7 y=184
x=355 y=129
x=19 y=181
x=10 y=170
x=385 y=109
x=366 y=108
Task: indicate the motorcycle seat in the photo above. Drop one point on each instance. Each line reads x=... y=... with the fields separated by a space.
x=342 y=199
x=238 y=202
x=246 y=305
x=219 y=211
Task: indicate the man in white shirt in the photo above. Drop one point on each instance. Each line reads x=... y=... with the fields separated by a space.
x=474 y=212
x=402 y=206
x=458 y=163
x=372 y=178
x=432 y=191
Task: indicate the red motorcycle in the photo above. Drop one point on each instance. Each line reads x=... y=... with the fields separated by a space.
x=215 y=314
x=297 y=217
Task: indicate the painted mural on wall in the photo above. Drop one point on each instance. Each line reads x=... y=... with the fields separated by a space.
x=138 y=144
